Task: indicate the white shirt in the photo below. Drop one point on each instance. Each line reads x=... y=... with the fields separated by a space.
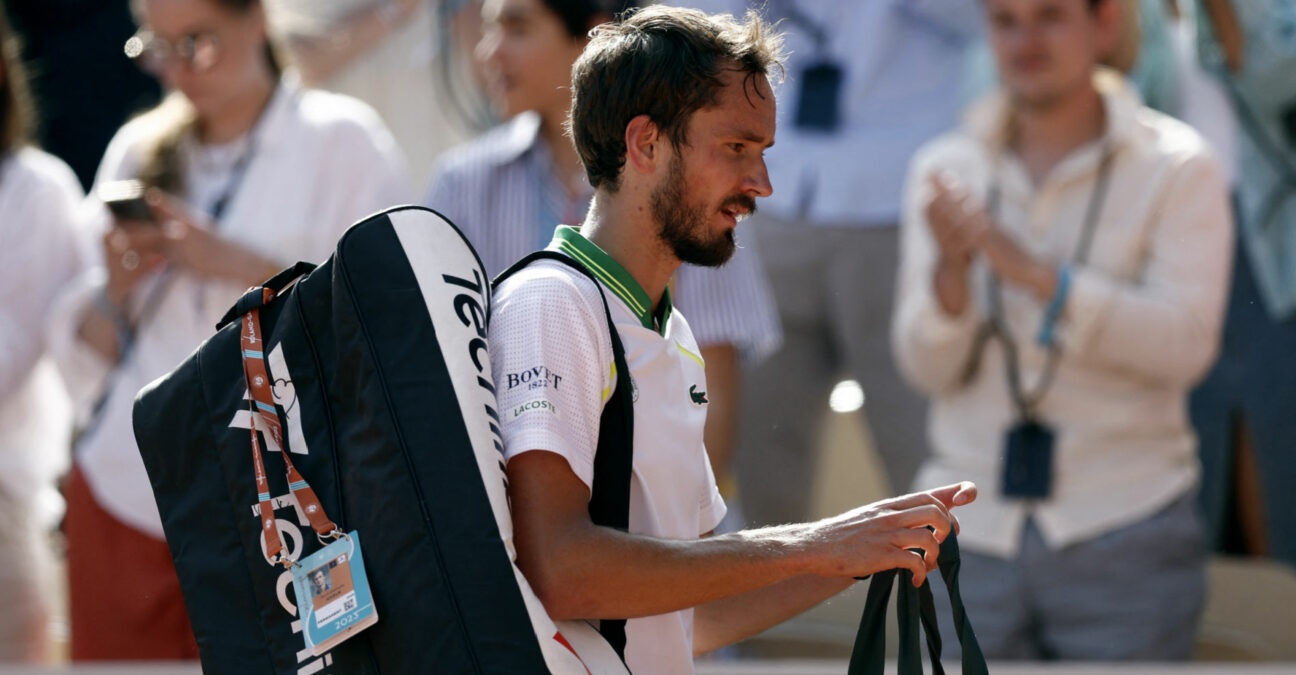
x=1141 y=322
x=551 y=355
x=320 y=162
x=39 y=201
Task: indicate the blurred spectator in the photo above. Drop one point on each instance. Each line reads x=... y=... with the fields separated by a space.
x=1144 y=52
x=867 y=82
x=510 y=188
x=1064 y=265
x=247 y=172
x=83 y=84
x=409 y=59
x=39 y=197
x=1243 y=410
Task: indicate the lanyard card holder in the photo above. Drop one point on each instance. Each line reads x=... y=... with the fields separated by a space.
x=1029 y=445
x=818 y=107
x=333 y=597
x=334 y=601
x=1028 y=461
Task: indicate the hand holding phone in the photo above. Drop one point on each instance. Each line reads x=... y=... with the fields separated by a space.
x=125 y=199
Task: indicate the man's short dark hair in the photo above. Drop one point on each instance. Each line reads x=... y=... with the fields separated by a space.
x=664 y=62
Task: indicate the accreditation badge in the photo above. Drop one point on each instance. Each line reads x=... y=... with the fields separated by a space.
x=333 y=597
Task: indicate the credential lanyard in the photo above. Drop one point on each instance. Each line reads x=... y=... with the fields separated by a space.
x=1027 y=402
x=266 y=417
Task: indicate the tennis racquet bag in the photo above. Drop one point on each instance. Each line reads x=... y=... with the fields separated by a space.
x=383 y=388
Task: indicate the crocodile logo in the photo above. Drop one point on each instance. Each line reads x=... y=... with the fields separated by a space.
x=699 y=397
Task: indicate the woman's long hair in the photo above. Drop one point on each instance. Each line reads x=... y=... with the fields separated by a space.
x=174 y=119
x=16 y=108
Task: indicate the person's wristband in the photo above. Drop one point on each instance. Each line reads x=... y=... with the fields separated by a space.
x=1047 y=335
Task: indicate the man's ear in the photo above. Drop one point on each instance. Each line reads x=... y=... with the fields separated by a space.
x=1118 y=33
x=643 y=139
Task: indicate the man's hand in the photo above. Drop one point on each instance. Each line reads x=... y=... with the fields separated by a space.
x=133 y=250
x=902 y=532
x=956 y=222
x=962 y=229
x=1017 y=266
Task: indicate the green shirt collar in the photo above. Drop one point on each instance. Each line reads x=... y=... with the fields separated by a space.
x=569 y=240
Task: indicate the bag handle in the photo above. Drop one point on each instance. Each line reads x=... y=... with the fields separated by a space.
x=255 y=298
x=609 y=504
x=914 y=606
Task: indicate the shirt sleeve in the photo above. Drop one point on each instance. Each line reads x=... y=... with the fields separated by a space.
x=365 y=173
x=932 y=347
x=39 y=258
x=551 y=357
x=713 y=507
x=1165 y=325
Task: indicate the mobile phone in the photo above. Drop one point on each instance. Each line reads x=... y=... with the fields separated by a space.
x=125 y=198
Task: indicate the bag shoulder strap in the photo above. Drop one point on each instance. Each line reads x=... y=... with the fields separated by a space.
x=609 y=504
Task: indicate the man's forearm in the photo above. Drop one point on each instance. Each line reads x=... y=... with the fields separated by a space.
x=950 y=284
x=584 y=571
x=605 y=573
x=723 y=622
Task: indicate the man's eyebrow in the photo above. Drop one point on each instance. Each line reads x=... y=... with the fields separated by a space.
x=747 y=135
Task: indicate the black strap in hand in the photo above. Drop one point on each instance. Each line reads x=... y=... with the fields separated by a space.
x=609 y=504
x=914 y=606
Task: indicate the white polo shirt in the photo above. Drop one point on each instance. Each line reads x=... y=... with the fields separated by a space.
x=551 y=355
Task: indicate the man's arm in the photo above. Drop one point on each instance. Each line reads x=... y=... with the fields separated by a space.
x=1164 y=325
x=935 y=322
x=581 y=570
x=723 y=622
x=727 y=620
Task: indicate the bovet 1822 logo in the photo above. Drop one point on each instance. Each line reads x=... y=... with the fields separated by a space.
x=538 y=377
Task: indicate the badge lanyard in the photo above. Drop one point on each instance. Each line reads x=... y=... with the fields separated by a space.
x=345 y=605
x=1027 y=402
x=266 y=417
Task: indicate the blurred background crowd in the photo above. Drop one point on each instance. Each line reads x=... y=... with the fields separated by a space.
x=264 y=127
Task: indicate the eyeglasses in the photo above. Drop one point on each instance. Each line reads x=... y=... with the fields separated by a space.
x=199 y=51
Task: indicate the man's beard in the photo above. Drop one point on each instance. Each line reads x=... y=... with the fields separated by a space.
x=683 y=226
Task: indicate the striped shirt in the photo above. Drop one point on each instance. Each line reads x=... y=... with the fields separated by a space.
x=502 y=193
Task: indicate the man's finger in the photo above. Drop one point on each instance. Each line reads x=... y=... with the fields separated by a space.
x=921 y=539
x=919 y=518
x=956 y=494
